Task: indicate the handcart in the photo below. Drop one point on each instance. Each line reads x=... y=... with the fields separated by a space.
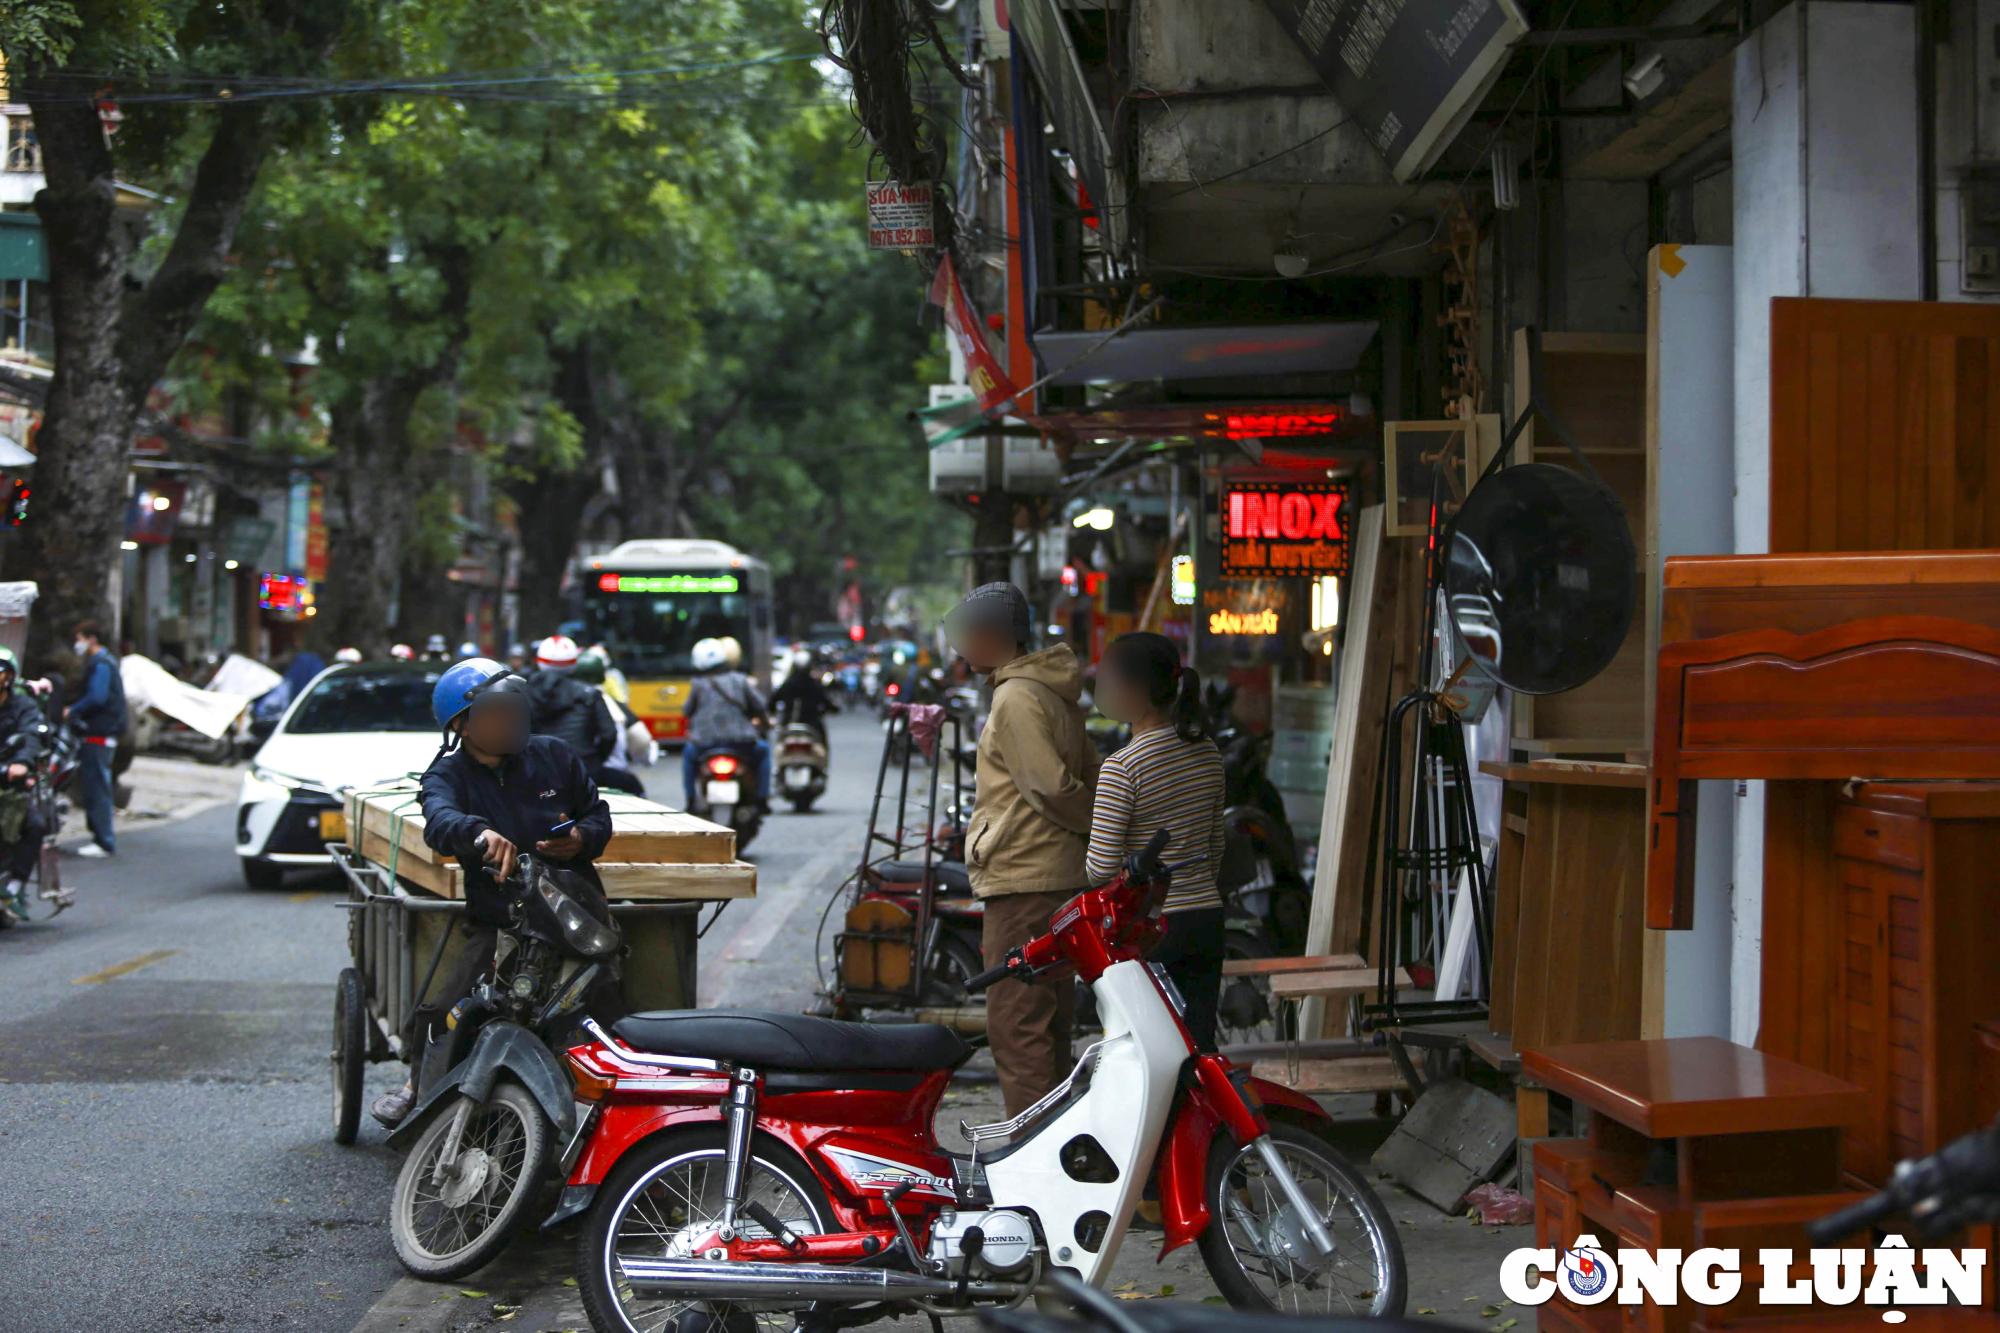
x=911 y=884
x=403 y=936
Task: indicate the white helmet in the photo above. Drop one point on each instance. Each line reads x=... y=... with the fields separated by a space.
x=468 y=649
x=710 y=654
x=402 y=652
x=348 y=655
x=802 y=659
x=558 y=651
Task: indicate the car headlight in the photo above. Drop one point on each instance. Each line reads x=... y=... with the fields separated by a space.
x=273 y=779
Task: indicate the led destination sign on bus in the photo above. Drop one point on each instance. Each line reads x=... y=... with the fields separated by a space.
x=667 y=583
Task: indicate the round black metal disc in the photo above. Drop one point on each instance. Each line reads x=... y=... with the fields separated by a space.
x=1541 y=577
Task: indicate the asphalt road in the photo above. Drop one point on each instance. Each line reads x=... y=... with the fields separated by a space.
x=164 y=1095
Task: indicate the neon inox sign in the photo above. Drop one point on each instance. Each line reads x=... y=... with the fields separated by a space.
x=1284 y=529
x=667 y=583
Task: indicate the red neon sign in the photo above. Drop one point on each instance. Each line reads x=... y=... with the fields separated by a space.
x=1274 y=424
x=1284 y=528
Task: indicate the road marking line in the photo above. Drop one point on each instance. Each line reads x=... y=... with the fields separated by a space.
x=303 y=898
x=130 y=965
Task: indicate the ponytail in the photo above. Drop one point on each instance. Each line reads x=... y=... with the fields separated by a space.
x=1187 y=706
x=1153 y=662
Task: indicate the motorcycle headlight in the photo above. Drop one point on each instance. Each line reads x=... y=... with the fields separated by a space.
x=582 y=932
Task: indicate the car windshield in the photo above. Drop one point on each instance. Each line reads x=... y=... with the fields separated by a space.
x=652 y=625
x=366 y=701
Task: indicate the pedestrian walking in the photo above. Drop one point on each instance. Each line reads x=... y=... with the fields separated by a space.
x=98 y=714
x=1168 y=776
x=1024 y=850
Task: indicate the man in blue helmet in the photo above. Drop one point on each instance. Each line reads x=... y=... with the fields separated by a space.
x=493 y=792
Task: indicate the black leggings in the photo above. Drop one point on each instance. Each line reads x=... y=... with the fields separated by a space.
x=1192 y=954
x=19 y=860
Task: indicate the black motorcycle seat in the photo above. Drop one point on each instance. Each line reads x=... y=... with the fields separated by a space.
x=766 y=1040
x=952 y=876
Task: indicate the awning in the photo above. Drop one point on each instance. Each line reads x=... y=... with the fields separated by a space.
x=1208 y=352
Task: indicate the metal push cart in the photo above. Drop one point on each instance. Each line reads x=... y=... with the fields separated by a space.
x=402 y=940
x=911 y=884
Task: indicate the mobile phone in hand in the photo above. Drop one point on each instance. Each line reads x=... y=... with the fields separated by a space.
x=562 y=828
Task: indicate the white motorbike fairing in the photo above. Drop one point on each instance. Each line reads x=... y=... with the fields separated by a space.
x=1125 y=1110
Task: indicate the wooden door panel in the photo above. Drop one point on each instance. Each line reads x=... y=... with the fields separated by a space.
x=1885 y=426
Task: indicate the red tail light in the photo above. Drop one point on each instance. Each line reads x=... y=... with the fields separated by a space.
x=722 y=765
x=892 y=688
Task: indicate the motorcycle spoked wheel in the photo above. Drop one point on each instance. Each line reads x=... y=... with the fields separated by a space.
x=671 y=1185
x=444 y=1230
x=1253 y=1242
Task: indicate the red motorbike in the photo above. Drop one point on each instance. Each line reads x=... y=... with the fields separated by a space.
x=741 y=1163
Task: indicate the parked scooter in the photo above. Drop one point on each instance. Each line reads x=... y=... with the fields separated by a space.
x=748 y=1162
x=495 y=1111
x=727 y=789
x=801 y=763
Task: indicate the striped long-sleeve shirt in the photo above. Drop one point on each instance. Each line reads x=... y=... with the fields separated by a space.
x=1159 y=781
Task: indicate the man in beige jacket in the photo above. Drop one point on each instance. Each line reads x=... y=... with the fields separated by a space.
x=1025 y=847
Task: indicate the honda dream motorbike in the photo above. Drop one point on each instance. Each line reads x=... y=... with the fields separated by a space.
x=747 y=1162
x=496 y=1107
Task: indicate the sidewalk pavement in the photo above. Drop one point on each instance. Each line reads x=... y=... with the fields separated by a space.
x=164 y=791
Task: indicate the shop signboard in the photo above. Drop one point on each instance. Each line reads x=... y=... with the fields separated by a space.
x=899 y=215
x=315 y=561
x=1281 y=529
x=1408 y=72
x=1253 y=609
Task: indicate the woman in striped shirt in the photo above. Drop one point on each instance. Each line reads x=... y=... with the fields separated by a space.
x=1168 y=776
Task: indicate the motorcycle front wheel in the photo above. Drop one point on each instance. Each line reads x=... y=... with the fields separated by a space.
x=444 y=1228
x=1258 y=1251
x=665 y=1195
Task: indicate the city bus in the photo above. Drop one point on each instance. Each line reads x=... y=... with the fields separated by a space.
x=651 y=601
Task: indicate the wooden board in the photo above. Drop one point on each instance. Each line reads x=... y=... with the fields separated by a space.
x=1454 y=1137
x=641 y=830
x=1885 y=425
x=1370 y=1073
x=1261 y=967
x=1334 y=983
x=640 y=881
x=1338 y=890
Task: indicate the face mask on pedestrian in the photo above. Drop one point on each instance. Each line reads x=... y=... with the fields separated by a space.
x=81 y=648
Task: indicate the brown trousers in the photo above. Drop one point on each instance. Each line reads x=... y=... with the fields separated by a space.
x=1027 y=1022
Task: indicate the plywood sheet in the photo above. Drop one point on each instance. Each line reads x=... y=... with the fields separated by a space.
x=641 y=831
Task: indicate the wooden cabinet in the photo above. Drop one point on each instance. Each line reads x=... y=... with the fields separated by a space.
x=1903 y=898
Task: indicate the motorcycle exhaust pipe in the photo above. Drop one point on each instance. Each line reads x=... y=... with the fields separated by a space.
x=726 y=1281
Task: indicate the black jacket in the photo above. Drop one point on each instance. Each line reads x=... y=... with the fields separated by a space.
x=803 y=698
x=23 y=729
x=529 y=794
x=569 y=710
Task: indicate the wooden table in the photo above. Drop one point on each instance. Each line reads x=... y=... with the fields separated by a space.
x=1694 y=1141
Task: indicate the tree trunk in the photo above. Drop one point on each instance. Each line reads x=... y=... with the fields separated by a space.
x=371 y=507
x=76 y=517
x=549 y=504
x=110 y=347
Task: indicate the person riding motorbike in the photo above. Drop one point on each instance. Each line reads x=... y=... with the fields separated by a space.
x=616 y=770
x=434 y=649
x=723 y=708
x=24 y=729
x=804 y=698
x=492 y=790
x=564 y=707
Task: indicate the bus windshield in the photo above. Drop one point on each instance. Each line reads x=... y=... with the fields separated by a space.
x=651 y=622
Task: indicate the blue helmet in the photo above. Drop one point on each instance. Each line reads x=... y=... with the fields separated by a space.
x=462 y=682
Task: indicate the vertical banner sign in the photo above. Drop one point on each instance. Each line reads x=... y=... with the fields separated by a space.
x=297 y=508
x=1284 y=529
x=990 y=384
x=899 y=216
x=1408 y=72
x=315 y=565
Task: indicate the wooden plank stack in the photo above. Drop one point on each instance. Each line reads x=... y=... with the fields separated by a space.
x=655 y=853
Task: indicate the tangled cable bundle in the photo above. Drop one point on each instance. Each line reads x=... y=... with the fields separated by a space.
x=880 y=44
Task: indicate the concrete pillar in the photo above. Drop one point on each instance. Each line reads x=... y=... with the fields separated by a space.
x=1823 y=132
